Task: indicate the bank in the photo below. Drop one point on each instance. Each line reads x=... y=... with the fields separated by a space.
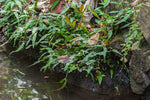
x=92 y=56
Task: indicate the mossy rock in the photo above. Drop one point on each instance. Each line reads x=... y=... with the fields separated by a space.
x=139 y=67
x=144 y=19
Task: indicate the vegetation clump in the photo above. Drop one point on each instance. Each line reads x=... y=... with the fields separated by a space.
x=66 y=39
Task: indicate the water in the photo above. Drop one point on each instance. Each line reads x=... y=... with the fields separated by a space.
x=19 y=82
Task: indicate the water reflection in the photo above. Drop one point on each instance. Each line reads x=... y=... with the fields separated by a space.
x=17 y=82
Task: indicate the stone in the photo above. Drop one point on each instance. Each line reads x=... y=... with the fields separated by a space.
x=139 y=67
x=139 y=70
x=144 y=19
x=115 y=7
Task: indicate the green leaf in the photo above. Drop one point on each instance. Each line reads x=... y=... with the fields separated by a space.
x=116 y=3
x=103 y=53
x=35 y=63
x=111 y=73
x=110 y=32
x=89 y=69
x=21 y=46
x=2 y=1
x=29 y=23
x=74 y=23
x=65 y=10
x=106 y=3
x=55 y=65
x=68 y=20
x=72 y=68
x=47 y=66
x=12 y=5
x=78 y=11
x=120 y=13
x=92 y=76
x=116 y=51
x=66 y=66
x=19 y=4
x=8 y=5
x=42 y=38
x=64 y=81
x=90 y=55
x=34 y=35
x=95 y=14
x=125 y=26
x=113 y=12
x=124 y=19
x=90 y=62
x=100 y=77
x=81 y=8
x=54 y=4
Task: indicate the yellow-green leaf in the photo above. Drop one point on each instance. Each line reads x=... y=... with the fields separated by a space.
x=68 y=20
x=78 y=11
x=81 y=8
x=74 y=23
x=95 y=14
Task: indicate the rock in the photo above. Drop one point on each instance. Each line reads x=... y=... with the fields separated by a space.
x=140 y=61
x=146 y=94
x=139 y=67
x=144 y=19
x=115 y=7
x=117 y=40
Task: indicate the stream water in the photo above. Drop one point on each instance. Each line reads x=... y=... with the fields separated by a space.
x=18 y=82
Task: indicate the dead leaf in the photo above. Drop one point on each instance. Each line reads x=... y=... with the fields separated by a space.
x=40 y=5
x=58 y=9
x=103 y=43
x=46 y=77
x=94 y=39
x=77 y=42
x=17 y=90
x=92 y=3
x=51 y=2
x=64 y=59
x=147 y=3
x=135 y=3
x=3 y=29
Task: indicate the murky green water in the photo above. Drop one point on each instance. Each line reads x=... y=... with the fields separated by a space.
x=17 y=82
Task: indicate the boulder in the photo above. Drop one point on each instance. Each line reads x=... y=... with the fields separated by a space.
x=139 y=67
x=144 y=19
x=140 y=60
x=114 y=7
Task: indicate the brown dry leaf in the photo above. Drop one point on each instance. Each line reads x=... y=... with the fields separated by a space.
x=17 y=90
x=103 y=43
x=51 y=2
x=40 y=5
x=3 y=29
x=64 y=59
x=93 y=39
x=77 y=42
x=58 y=9
x=134 y=4
x=87 y=16
x=68 y=3
x=46 y=77
x=92 y=3
x=147 y=3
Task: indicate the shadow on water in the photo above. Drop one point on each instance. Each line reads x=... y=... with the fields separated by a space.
x=17 y=82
